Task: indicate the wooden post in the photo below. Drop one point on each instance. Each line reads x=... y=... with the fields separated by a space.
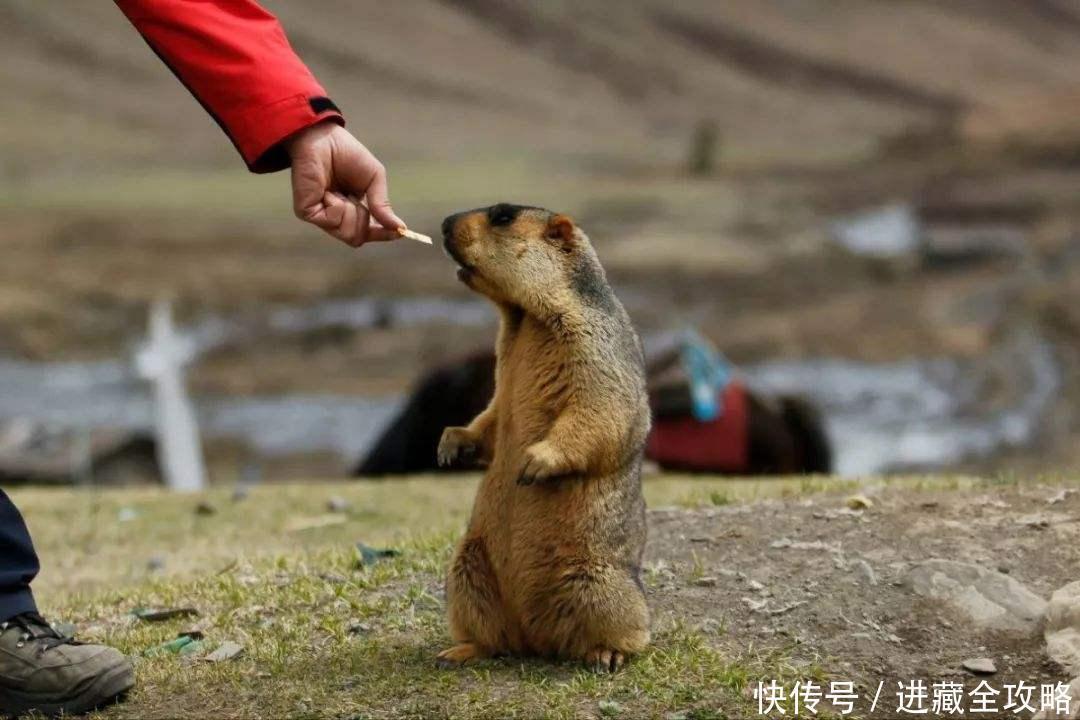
x=161 y=360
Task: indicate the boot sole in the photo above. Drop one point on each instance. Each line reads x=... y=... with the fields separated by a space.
x=109 y=686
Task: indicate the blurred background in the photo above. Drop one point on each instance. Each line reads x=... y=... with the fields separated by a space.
x=870 y=204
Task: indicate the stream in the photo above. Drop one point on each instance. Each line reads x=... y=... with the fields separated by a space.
x=912 y=415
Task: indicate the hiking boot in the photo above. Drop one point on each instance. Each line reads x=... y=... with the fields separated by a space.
x=43 y=671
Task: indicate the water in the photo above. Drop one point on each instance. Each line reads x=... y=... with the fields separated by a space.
x=111 y=394
x=921 y=414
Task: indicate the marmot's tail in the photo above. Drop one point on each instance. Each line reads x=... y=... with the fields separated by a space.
x=808 y=429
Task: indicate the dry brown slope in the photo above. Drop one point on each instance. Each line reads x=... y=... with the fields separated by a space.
x=604 y=77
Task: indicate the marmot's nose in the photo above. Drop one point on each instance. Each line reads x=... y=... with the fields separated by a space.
x=448 y=225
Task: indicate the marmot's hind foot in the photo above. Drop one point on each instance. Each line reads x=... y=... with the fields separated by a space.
x=604 y=660
x=459 y=655
x=458 y=446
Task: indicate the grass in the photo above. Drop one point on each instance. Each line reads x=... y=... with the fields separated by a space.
x=91 y=538
x=326 y=636
x=293 y=617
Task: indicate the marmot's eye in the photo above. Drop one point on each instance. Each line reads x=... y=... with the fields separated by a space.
x=502 y=214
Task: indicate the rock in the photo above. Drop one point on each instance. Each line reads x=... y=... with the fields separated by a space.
x=755 y=605
x=859 y=502
x=989 y=599
x=788 y=608
x=755 y=585
x=865 y=573
x=126 y=514
x=1063 y=627
x=787 y=543
x=358 y=628
x=707 y=581
x=155 y=564
x=240 y=493
x=1036 y=521
x=204 y=508
x=1058 y=497
x=710 y=626
x=979 y=666
x=337 y=504
x=225 y=651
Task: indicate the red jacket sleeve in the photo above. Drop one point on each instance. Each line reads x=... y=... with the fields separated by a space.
x=234 y=58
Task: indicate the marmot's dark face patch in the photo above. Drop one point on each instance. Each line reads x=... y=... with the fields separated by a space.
x=503 y=214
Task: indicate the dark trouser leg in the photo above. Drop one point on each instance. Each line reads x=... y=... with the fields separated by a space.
x=18 y=562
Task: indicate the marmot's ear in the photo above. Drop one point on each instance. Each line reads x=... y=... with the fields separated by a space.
x=561 y=230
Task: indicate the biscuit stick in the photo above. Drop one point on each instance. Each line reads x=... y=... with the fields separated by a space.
x=412 y=235
x=401 y=231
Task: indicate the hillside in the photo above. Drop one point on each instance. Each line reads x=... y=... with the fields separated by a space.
x=446 y=80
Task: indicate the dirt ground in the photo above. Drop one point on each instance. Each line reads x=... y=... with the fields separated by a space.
x=790 y=574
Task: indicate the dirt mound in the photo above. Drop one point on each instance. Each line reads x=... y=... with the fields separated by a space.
x=838 y=585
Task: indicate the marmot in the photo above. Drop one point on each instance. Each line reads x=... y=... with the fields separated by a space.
x=550 y=564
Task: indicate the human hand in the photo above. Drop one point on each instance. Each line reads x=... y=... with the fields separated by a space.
x=333 y=175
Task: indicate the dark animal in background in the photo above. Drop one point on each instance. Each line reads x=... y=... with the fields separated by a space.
x=447 y=396
x=772 y=435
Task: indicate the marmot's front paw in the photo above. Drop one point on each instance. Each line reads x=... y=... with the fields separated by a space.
x=542 y=462
x=458 y=446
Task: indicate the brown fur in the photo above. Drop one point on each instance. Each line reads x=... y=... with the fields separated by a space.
x=551 y=559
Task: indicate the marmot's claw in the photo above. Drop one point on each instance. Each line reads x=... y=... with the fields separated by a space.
x=541 y=463
x=458 y=655
x=604 y=660
x=456 y=447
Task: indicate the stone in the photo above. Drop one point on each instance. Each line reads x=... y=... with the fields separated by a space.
x=859 y=502
x=989 y=599
x=708 y=581
x=337 y=504
x=710 y=626
x=1063 y=627
x=225 y=651
x=866 y=573
x=1057 y=498
x=979 y=666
